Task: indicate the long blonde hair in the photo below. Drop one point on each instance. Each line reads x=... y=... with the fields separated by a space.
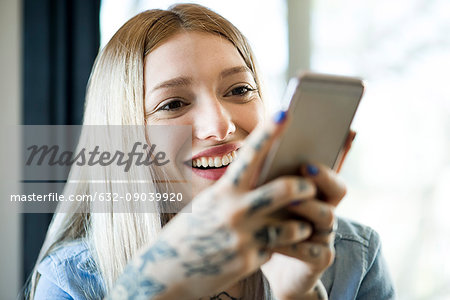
x=115 y=96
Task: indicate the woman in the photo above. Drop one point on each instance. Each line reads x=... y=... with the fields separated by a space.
x=189 y=66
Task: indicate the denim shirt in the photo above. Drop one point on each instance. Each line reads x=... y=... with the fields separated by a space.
x=358 y=272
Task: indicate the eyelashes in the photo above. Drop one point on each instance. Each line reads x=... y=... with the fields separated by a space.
x=241 y=90
x=173 y=105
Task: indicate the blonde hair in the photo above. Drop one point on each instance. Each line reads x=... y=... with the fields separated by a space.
x=115 y=96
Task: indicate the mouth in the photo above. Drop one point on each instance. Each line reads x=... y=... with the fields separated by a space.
x=214 y=162
x=212 y=167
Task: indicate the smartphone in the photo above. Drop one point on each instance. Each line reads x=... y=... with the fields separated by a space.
x=321 y=111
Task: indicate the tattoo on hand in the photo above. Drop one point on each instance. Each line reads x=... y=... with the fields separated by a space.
x=133 y=285
x=278 y=230
x=302 y=186
x=262 y=252
x=209 y=244
x=209 y=265
x=212 y=249
x=314 y=251
x=263 y=235
x=323 y=212
x=302 y=226
x=159 y=251
x=258 y=204
x=258 y=145
x=239 y=174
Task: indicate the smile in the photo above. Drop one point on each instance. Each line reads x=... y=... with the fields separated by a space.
x=214 y=162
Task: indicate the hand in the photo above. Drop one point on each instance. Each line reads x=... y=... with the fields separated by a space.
x=224 y=234
x=294 y=272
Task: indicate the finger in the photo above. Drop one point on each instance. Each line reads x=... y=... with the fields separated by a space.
x=242 y=172
x=318 y=256
x=328 y=183
x=347 y=145
x=322 y=237
x=282 y=233
x=320 y=214
x=319 y=291
x=277 y=194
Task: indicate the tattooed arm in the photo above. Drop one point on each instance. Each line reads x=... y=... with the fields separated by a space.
x=223 y=235
x=136 y=282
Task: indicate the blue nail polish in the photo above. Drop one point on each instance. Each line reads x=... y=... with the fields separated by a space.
x=296 y=202
x=312 y=170
x=279 y=117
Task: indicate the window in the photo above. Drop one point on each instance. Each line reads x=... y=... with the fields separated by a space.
x=398 y=173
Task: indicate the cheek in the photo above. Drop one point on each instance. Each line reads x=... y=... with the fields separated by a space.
x=172 y=140
x=248 y=116
x=173 y=135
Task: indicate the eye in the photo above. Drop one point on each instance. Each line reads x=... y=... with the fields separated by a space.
x=172 y=105
x=240 y=90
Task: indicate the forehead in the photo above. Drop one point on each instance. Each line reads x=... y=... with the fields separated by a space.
x=192 y=54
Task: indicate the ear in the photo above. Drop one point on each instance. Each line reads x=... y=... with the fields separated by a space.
x=348 y=144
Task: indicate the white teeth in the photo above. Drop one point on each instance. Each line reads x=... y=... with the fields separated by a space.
x=225 y=160
x=216 y=162
x=204 y=162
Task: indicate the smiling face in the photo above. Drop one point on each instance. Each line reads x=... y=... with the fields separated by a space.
x=200 y=79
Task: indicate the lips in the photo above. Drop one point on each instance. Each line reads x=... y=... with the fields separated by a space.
x=217 y=151
x=212 y=173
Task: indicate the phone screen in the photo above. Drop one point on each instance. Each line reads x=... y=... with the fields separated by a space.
x=322 y=108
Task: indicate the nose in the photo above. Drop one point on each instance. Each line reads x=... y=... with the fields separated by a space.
x=212 y=121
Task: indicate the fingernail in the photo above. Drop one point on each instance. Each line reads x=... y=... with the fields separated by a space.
x=296 y=202
x=279 y=117
x=312 y=170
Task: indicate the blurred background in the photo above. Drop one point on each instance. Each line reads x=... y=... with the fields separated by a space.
x=398 y=171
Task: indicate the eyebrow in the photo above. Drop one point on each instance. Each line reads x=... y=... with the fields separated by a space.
x=174 y=82
x=234 y=70
x=186 y=81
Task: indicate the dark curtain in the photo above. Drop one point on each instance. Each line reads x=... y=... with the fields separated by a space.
x=61 y=41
